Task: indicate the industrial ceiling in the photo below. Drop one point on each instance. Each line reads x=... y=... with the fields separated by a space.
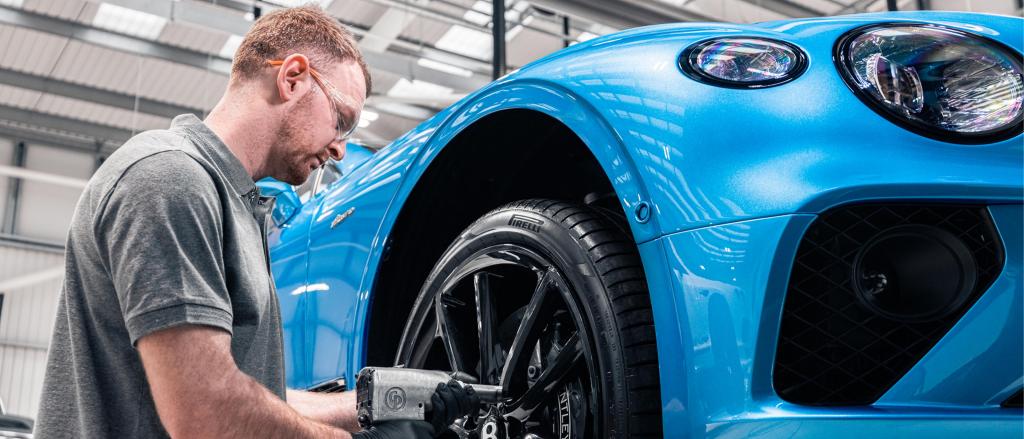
x=92 y=73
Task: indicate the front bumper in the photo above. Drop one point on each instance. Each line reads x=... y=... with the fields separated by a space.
x=718 y=292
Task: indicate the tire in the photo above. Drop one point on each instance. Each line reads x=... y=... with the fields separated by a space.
x=562 y=289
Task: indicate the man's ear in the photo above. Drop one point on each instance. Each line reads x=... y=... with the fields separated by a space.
x=293 y=77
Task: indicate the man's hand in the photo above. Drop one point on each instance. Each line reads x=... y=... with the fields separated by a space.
x=449 y=402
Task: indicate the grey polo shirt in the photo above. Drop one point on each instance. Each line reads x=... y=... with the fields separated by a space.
x=169 y=231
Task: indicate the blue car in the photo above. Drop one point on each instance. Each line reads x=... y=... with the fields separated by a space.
x=805 y=228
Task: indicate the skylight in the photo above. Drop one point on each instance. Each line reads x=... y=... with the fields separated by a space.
x=129 y=21
x=418 y=89
x=367 y=117
x=479 y=14
x=518 y=28
x=231 y=46
x=466 y=41
x=444 y=67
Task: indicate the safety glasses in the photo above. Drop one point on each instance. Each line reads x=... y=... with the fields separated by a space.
x=342 y=104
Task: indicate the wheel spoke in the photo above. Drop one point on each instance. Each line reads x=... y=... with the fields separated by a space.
x=449 y=334
x=539 y=310
x=543 y=390
x=424 y=340
x=485 y=320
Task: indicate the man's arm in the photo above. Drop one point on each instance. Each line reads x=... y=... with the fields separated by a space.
x=199 y=391
x=337 y=409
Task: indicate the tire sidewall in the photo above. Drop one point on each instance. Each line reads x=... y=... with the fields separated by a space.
x=550 y=239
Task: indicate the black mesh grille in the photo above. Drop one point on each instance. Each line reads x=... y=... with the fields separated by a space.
x=832 y=350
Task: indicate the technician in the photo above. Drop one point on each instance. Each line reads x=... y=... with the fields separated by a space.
x=168 y=323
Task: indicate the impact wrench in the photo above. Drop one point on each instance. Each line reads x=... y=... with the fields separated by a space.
x=394 y=393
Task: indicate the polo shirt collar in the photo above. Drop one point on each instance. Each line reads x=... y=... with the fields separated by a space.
x=219 y=154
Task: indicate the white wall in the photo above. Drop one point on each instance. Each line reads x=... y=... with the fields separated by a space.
x=26 y=322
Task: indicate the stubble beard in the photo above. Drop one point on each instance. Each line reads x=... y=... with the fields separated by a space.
x=293 y=165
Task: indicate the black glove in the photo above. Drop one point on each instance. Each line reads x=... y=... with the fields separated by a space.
x=449 y=402
x=398 y=430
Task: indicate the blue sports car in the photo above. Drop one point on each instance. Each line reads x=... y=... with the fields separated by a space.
x=805 y=228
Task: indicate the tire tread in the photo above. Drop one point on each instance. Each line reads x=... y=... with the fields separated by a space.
x=617 y=262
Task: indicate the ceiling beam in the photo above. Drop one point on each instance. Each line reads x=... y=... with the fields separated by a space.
x=856 y=6
x=386 y=30
x=157 y=108
x=30 y=279
x=65 y=124
x=202 y=14
x=42 y=177
x=623 y=14
x=787 y=8
x=112 y=40
x=86 y=93
x=413 y=47
x=408 y=68
x=404 y=65
x=36 y=134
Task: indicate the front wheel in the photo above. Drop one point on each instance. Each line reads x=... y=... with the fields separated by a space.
x=548 y=300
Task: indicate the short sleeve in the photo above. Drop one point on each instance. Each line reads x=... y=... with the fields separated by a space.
x=160 y=230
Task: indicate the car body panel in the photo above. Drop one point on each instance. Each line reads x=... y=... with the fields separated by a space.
x=288 y=247
x=735 y=177
x=727 y=282
x=978 y=363
x=709 y=155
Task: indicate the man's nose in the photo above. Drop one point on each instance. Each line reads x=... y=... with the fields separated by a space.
x=337 y=150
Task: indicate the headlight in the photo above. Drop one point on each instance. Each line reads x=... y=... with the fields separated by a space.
x=939 y=82
x=743 y=62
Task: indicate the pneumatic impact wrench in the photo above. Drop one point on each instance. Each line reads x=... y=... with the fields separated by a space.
x=395 y=393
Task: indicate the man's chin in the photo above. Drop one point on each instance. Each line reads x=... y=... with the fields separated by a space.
x=294 y=178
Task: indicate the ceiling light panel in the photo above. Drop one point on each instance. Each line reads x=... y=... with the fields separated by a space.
x=418 y=89
x=231 y=46
x=444 y=67
x=479 y=14
x=129 y=21
x=467 y=42
x=367 y=117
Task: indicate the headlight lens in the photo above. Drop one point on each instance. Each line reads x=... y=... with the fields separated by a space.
x=743 y=62
x=941 y=82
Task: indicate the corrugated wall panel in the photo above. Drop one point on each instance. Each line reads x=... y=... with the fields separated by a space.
x=26 y=322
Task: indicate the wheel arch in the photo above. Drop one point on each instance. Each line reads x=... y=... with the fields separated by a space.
x=478 y=160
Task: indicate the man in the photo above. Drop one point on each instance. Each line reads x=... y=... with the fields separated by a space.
x=168 y=323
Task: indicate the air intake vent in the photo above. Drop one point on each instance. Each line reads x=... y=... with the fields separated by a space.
x=873 y=288
x=1015 y=401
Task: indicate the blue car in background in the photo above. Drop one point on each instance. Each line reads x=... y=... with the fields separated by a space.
x=806 y=228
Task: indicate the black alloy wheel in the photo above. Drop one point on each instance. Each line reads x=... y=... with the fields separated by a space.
x=546 y=299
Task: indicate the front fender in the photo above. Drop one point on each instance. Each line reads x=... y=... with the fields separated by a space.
x=409 y=157
x=709 y=155
x=569 y=109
